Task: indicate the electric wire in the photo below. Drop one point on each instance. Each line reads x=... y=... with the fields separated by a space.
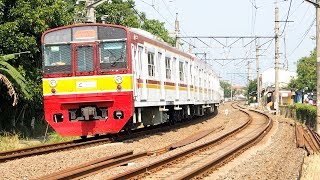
x=168 y=9
x=164 y=17
x=303 y=37
x=285 y=23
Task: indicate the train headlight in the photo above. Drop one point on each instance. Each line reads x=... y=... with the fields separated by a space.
x=119 y=87
x=53 y=90
x=118 y=79
x=53 y=83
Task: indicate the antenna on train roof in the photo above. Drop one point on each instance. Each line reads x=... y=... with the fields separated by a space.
x=90 y=8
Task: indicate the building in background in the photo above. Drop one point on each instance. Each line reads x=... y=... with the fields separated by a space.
x=268 y=86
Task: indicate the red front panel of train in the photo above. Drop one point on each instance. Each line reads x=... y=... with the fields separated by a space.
x=107 y=113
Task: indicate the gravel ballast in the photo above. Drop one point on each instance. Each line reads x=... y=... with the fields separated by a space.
x=275 y=157
x=45 y=164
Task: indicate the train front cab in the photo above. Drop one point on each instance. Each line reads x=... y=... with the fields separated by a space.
x=87 y=79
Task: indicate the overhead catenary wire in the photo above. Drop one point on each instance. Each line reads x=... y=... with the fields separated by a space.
x=286 y=21
x=303 y=37
x=168 y=9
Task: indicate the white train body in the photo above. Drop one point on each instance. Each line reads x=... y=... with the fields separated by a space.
x=168 y=84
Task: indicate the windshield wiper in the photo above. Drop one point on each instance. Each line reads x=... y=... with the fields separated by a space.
x=114 y=63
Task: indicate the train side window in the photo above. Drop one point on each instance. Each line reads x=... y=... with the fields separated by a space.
x=159 y=65
x=140 y=52
x=168 y=68
x=174 y=69
x=191 y=77
x=181 y=71
x=151 y=64
x=186 y=68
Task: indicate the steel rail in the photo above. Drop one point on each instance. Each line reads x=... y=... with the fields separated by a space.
x=88 y=169
x=95 y=166
x=204 y=168
x=141 y=170
x=45 y=149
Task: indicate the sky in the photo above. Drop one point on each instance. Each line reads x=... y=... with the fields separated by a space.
x=238 y=18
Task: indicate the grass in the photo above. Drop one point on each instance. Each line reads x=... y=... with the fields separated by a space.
x=9 y=141
x=54 y=137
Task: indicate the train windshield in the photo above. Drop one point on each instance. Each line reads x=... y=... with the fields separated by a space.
x=113 y=55
x=57 y=58
x=85 y=50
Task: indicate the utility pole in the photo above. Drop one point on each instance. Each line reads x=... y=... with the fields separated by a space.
x=286 y=63
x=90 y=6
x=177 y=32
x=231 y=88
x=249 y=71
x=276 y=64
x=318 y=68
x=91 y=15
x=258 y=75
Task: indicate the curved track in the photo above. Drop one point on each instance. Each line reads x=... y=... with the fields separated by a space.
x=185 y=164
x=80 y=143
x=199 y=160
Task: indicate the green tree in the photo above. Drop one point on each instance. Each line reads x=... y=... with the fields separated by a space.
x=120 y=13
x=157 y=28
x=306 y=73
x=251 y=90
x=226 y=86
x=123 y=13
x=22 y=23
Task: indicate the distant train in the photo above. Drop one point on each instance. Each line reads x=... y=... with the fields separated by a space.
x=103 y=78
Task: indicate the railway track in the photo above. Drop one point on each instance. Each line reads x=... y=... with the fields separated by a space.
x=160 y=168
x=81 y=143
x=200 y=160
x=45 y=149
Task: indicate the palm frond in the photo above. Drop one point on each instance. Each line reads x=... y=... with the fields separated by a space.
x=11 y=90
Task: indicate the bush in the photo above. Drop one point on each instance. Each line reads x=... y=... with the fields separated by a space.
x=306 y=114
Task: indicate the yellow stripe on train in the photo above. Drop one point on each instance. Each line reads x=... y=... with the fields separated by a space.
x=87 y=84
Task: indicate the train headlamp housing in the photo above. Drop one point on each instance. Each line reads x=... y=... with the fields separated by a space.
x=53 y=83
x=118 y=79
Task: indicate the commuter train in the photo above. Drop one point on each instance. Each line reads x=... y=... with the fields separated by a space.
x=103 y=78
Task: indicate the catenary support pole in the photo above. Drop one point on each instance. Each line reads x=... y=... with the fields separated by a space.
x=177 y=32
x=318 y=67
x=276 y=64
x=258 y=76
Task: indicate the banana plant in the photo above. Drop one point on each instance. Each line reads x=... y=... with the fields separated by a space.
x=11 y=78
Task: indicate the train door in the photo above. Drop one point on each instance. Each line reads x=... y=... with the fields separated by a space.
x=85 y=60
x=135 y=65
x=160 y=69
x=176 y=77
x=142 y=73
x=188 y=79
